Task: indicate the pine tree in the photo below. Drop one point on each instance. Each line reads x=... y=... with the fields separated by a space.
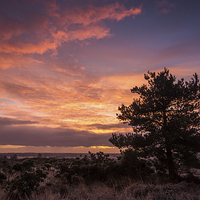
x=165 y=120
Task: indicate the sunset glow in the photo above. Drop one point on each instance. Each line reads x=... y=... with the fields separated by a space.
x=66 y=66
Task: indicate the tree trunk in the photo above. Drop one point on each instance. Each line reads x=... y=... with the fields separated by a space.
x=170 y=163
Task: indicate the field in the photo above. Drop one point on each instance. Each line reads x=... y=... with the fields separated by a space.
x=94 y=176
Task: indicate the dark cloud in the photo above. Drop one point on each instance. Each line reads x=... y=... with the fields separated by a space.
x=16 y=89
x=32 y=136
x=108 y=126
x=12 y=121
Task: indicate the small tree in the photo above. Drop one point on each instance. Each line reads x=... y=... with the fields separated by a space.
x=165 y=119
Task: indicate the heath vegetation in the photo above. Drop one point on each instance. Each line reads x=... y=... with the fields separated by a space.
x=95 y=176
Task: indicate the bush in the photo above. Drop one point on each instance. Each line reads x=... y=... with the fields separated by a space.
x=22 y=186
x=3 y=177
x=17 y=167
x=27 y=164
x=133 y=166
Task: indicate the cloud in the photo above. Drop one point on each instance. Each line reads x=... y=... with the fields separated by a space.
x=67 y=97
x=72 y=70
x=37 y=27
x=32 y=136
x=21 y=47
x=8 y=60
x=164 y=6
x=93 y=14
x=108 y=126
x=163 y=3
x=87 y=32
x=16 y=89
x=10 y=121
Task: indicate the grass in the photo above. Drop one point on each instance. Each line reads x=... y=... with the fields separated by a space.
x=137 y=191
x=119 y=191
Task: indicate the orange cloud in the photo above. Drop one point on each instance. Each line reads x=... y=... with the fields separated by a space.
x=36 y=33
x=71 y=70
x=28 y=48
x=11 y=61
x=69 y=100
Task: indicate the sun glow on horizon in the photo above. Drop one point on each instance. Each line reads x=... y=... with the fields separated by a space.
x=49 y=149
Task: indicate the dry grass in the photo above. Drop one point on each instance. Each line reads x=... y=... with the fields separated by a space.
x=125 y=189
x=136 y=191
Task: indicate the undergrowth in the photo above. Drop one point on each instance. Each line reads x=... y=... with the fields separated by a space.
x=93 y=177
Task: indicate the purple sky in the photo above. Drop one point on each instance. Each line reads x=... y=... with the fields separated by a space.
x=66 y=66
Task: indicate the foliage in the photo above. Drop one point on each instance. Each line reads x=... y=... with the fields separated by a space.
x=135 y=167
x=25 y=184
x=17 y=167
x=3 y=177
x=165 y=121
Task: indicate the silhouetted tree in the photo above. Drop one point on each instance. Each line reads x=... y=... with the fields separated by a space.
x=165 y=120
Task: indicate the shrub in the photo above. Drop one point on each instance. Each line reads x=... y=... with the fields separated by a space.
x=17 y=167
x=134 y=167
x=3 y=177
x=22 y=186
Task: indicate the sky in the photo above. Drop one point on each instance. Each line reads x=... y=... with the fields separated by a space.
x=66 y=66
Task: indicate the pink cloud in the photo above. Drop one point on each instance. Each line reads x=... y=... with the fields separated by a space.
x=89 y=32
x=81 y=34
x=32 y=23
x=33 y=32
x=164 y=6
x=71 y=70
x=95 y=14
